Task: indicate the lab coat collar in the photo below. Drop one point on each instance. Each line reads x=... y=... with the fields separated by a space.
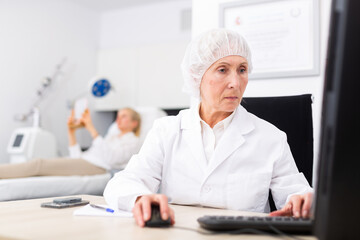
x=232 y=138
x=191 y=120
x=191 y=132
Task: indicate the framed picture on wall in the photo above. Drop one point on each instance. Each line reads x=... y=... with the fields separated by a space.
x=283 y=35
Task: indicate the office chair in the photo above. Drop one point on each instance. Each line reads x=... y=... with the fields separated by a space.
x=293 y=115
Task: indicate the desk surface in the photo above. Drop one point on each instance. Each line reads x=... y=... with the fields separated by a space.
x=25 y=219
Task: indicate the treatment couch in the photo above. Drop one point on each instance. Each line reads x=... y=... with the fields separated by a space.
x=52 y=186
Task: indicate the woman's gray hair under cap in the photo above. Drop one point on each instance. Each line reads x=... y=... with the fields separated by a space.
x=205 y=50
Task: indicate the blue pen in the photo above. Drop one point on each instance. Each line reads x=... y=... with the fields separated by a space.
x=102 y=208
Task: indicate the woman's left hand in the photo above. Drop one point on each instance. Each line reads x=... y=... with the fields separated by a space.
x=86 y=120
x=298 y=206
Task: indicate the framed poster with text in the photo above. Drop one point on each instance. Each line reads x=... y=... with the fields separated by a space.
x=283 y=35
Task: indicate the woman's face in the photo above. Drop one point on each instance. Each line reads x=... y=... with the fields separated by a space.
x=223 y=84
x=124 y=121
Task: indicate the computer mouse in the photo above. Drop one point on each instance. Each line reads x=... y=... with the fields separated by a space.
x=155 y=219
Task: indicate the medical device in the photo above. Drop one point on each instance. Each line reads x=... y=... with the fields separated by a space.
x=100 y=87
x=29 y=143
x=34 y=142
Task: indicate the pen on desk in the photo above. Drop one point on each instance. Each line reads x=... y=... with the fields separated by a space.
x=102 y=208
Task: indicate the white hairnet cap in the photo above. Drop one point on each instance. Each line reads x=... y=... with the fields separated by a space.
x=205 y=50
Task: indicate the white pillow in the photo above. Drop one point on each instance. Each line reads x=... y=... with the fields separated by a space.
x=148 y=116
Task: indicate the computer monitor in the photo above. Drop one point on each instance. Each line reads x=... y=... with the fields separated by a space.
x=337 y=208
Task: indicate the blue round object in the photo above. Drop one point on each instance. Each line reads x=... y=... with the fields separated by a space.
x=101 y=87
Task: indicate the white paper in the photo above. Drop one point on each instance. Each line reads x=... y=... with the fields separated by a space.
x=79 y=107
x=90 y=211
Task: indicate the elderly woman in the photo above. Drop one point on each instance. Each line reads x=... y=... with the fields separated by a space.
x=215 y=154
x=110 y=153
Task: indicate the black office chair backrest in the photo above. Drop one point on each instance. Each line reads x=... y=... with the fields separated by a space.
x=293 y=115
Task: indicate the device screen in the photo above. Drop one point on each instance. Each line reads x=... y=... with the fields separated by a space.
x=18 y=140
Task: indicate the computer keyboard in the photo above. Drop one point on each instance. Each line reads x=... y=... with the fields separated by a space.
x=231 y=223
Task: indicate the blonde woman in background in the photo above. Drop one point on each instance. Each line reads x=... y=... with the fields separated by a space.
x=112 y=152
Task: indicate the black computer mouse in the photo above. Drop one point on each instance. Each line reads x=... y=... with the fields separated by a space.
x=156 y=220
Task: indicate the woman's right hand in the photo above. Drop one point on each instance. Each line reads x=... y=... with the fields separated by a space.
x=142 y=208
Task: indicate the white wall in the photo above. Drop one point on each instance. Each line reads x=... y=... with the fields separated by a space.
x=206 y=16
x=141 y=49
x=34 y=37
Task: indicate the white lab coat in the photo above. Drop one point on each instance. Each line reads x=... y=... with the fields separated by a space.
x=113 y=152
x=251 y=157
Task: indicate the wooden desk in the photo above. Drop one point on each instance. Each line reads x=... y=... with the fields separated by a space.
x=25 y=219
